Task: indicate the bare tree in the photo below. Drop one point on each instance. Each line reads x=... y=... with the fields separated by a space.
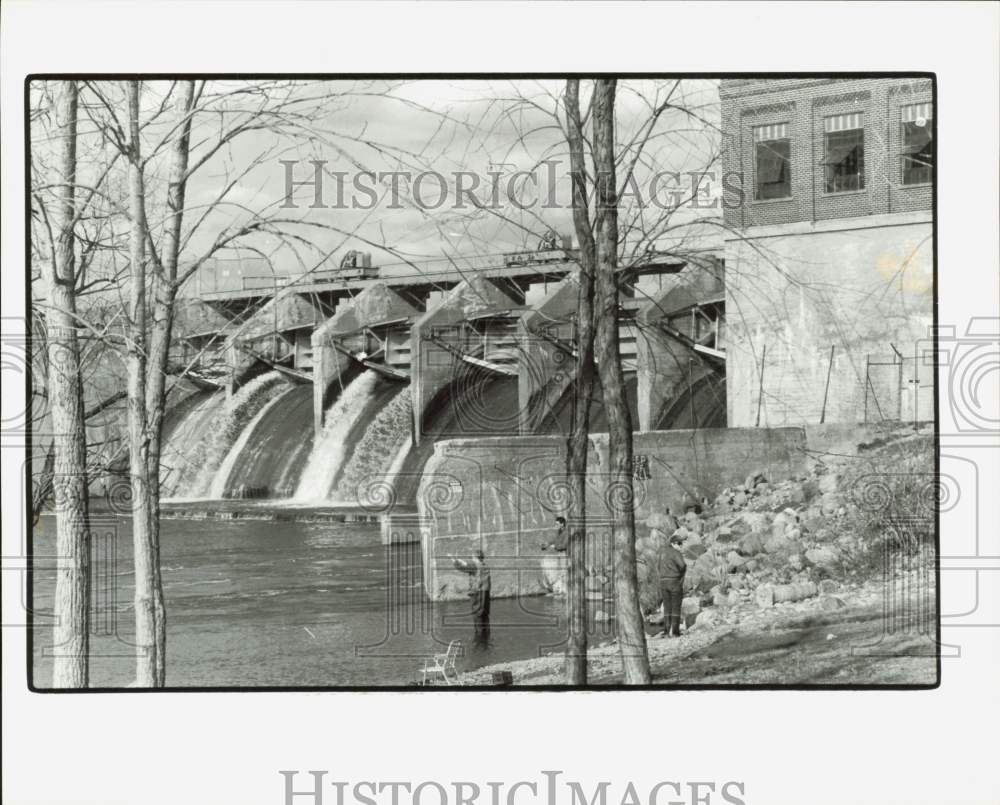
x=160 y=138
x=148 y=591
x=65 y=396
x=578 y=442
x=620 y=494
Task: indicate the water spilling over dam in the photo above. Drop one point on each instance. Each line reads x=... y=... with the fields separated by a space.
x=337 y=392
x=331 y=448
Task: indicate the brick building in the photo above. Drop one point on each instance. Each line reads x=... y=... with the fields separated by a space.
x=829 y=251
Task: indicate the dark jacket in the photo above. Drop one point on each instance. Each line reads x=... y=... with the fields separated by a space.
x=672 y=568
x=479 y=587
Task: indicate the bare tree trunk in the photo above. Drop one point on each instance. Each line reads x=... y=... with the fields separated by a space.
x=143 y=543
x=579 y=439
x=620 y=494
x=159 y=349
x=72 y=600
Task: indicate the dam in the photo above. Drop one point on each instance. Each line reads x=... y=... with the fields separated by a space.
x=335 y=388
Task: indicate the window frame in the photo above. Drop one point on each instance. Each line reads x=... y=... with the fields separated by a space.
x=903 y=156
x=759 y=141
x=862 y=173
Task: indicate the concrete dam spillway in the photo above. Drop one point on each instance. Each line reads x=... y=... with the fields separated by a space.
x=368 y=430
x=336 y=393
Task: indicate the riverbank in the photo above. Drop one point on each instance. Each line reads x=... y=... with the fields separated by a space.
x=841 y=638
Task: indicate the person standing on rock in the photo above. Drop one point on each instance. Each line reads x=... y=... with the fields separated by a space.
x=672 y=570
x=479 y=590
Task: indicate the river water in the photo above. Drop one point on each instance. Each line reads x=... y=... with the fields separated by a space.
x=283 y=604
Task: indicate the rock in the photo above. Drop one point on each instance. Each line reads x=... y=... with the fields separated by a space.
x=706 y=619
x=829 y=504
x=764 y=596
x=827 y=586
x=694 y=550
x=758 y=521
x=771 y=595
x=795 y=561
x=690 y=606
x=739 y=500
x=751 y=545
x=733 y=559
x=831 y=603
x=829 y=482
x=776 y=544
x=720 y=599
x=762 y=488
x=822 y=557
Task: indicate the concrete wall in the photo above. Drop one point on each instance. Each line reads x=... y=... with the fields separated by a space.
x=663 y=368
x=547 y=370
x=433 y=366
x=860 y=285
x=502 y=494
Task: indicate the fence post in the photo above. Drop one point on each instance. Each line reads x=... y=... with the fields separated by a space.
x=760 y=386
x=868 y=359
x=826 y=391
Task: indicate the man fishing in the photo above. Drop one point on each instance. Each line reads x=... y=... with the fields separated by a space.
x=479 y=589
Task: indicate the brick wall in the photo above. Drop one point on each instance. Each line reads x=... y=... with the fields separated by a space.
x=803 y=104
x=852 y=271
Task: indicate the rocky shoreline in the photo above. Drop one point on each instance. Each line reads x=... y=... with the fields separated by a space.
x=849 y=603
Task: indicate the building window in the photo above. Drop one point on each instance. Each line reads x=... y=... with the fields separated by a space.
x=844 y=152
x=917 y=154
x=772 y=162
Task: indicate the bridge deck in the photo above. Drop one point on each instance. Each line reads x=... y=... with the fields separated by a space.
x=331 y=281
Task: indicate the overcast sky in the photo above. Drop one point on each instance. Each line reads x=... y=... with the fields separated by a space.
x=473 y=126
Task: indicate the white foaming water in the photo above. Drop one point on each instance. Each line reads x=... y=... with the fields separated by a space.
x=218 y=488
x=176 y=450
x=397 y=463
x=328 y=453
x=385 y=435
x=223 y=430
